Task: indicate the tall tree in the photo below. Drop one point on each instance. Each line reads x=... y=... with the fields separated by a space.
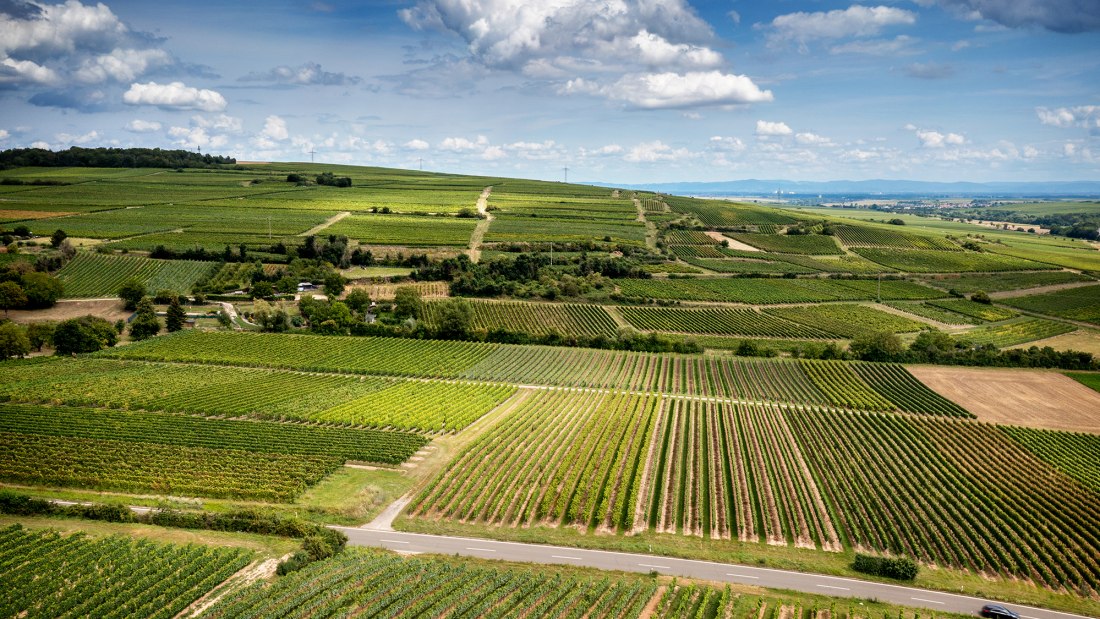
x=11 y=296
x=176 y=316
x=145 y=323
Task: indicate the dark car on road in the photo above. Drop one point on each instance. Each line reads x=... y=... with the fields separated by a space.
x=996 y=611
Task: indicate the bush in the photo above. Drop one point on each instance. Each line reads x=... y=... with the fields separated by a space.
x=900 y=568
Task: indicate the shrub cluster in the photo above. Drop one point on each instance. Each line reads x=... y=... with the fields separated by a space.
x=900 y=568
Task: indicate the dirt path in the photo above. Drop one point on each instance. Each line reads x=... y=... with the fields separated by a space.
x=482 y=225
x=650 y=227
x=942 y=326
x=328 y=222
x=257 y=570
x=734 y=243
x=1010 y=294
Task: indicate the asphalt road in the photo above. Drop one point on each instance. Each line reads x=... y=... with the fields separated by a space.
x=706 y=570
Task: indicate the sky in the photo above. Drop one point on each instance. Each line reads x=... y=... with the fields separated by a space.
x=618 y=91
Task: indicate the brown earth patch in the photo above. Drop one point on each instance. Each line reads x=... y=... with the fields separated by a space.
x=733 y=243
x=1031 y=398
x=8 y=215
x=110 y=310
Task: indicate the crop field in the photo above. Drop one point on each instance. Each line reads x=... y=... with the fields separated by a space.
x=803 y=477
x=1017 y=331
x=46 y=574
x=1076 y=454
x=260 y=393
x=98 y=275
x=405 y=231
x=563 y=208
x=1006 y=281
x=698 y=251
x=981 y=312
x=688 y=237
x=846 y=263
x=210 y=241
x=257 y=437
x=913 y=486
x=534 y=318
x=814 y=244
x=125 y=222
x=742 y=265
x=725 y=377
x=368 y=583
x=386 y=292
x=715 y=321
x=519 y=229
x=725 y=214
x=1080 y=256
x=1073 y=303
x=866 y=236
x=846 y=320
x=358 y=355
x=894 y=383
x=934 y=261
x=932 y=312
x=773 y=291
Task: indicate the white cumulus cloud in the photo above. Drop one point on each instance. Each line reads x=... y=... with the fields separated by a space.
x=417 y=144
x=854 y=21
x=175 y=95
x=275 y=128
x=121 y=65
x=1079 y=116
x=935 y=139
x=652 y=152
x=768 y=128
x=674 y=90
x=15 y=71
x=142 y=126
x=812 y=139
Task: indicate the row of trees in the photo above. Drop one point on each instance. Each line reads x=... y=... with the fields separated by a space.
x=530 y=275
x=109 y=158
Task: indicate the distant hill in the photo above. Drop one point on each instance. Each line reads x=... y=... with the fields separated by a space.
x=875 y=187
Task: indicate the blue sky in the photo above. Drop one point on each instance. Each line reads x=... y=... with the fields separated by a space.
x=617 y=90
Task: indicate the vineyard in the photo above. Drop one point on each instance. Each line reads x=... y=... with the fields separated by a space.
x=931 y=312
x=774 y=380
x=534 y=318
x=914 y=486
x=866 y=236
x=846 y=320
x=374 y=584
x=1018 y=331
x=45 y=574
x=1075 y=454
x=938 y=261
x=179 y=430
x=1073 y=303
x=805 y=477
x=386 y=292
x=981 y=312
x=1006 y=281
x=724 y=321
x=404 y=231
x=813 y=244
x=725 y=214
x=232 y=391
x=98 y=275
x=774 y=291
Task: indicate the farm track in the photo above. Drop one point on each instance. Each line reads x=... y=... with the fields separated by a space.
x=325 y=224
x=650 y=227
x=942 y=326
x=1026 y=292
x=482 y=227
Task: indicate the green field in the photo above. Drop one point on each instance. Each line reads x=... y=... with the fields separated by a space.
x=815 y=244
x=99 y=275
x=538 y=319
x=773 y=291
x=405 y=231
x=1073 y=303
x=1006 y=281
x=724 y=321
x=847 y=320
x=933 y=261
x=46 y=574
x=1014 y=332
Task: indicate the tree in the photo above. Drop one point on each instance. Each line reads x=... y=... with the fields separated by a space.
x=40 y=334
x=84 y=334
x=262 y=290
x=176 y=316
x=334 y=285
x=359 y=300
x=880 y=346
x=22 y=231
x=13 y=341
x=145 y=323
x=981 y=297
x=132 y=291
x=11 y=296
x=455 y=318
x=58 y=236
x=42 y=289
x=407 y=302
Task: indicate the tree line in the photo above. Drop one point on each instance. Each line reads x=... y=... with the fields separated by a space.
x=109 y=158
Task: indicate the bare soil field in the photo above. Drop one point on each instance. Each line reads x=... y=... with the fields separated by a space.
x=110 y=310
x=1031 y=398
x=1087 y=340
x=733 y=243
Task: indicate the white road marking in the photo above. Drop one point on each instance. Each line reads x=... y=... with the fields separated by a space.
x=924 y=600
x=832 y=587
x=480 y=549
x=744 y=576
x=656 y=567
x=392 y=541
x=564 y=557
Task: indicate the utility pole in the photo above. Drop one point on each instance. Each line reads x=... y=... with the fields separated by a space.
x=421 y=164
x=311 y=153
x=566 y=169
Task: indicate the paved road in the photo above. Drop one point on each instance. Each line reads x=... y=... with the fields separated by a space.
x=628 y=562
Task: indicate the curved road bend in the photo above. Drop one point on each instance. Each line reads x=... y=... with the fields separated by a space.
x=705 y=570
